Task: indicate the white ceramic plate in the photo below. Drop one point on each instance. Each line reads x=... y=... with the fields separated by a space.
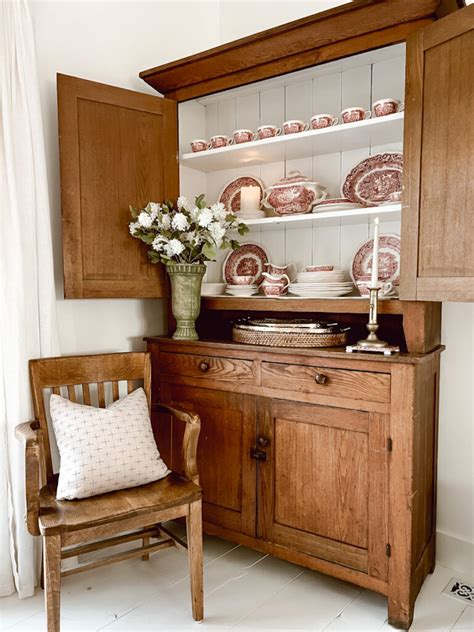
x=340 y=206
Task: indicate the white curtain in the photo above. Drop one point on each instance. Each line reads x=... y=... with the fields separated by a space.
x=27 y=297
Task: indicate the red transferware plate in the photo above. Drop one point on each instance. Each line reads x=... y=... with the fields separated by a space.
x=389 y=259
x=373 y=180
x=230 y=194
x=249 y=259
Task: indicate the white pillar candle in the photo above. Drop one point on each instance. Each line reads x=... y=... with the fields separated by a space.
x=249 y=198
x=375 y=255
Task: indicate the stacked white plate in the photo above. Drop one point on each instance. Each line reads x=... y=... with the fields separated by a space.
x=323 y=284
x=241 y=290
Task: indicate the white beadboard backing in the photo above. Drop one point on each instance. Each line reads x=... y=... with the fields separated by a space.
x=325 y=89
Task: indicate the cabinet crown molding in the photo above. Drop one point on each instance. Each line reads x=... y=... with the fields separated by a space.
x=346 y=30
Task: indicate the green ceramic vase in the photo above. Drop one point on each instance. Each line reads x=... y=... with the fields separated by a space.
x=186 y=280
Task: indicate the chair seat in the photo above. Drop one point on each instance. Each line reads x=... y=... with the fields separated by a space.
x=62 y=516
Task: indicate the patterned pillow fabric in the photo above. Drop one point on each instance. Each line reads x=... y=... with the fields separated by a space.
x=104 y=449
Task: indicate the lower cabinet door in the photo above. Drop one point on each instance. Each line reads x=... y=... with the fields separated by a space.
x=226 y=471
x=322 y=489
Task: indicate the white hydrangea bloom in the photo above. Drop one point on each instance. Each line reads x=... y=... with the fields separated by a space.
x=205 y=217
x=165 y=222
x=219 y=211
x=174 y=247
x=183 y=202
x=145 y=220
x=154 y=210
x=194 y=213
x=180 y=221
x=133 y=226
x=217 y=233
x=159 y=243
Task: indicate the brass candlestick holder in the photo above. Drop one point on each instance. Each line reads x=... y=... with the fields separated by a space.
x=372 y=343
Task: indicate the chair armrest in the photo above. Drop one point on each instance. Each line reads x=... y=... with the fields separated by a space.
x=29 y=434
x=190 y=439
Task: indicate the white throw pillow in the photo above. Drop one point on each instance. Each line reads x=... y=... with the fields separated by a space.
x=104 y=449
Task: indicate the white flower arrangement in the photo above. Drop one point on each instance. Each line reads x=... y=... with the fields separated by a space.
x=186 y=234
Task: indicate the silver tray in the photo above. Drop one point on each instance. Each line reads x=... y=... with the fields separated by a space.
x=290 y=325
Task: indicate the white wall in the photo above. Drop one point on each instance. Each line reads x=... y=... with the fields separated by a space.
x=111 y=42
x=239 y=18
x=455 y=543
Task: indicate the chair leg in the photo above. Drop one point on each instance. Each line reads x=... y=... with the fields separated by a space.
x=146 y=542
x=42 y=570
x=52 y=580
x=194 y=531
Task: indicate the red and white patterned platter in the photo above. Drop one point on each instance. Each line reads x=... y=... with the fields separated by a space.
x=249 y=259
x=373 y=180
x=230 y=194
x=389 y=260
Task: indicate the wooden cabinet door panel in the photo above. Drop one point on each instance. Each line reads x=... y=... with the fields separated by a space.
x=322 y=489
x=438 y=214
x=226 y=471
x=117 y=148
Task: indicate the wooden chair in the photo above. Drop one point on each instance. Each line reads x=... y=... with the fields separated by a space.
x=73 y=527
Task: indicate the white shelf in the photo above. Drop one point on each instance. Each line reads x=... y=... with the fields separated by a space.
x=387 y=211
x=376 y=131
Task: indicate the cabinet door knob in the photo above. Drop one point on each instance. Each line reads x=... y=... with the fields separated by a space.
x=204 y=366
x=320 y=378
x=263 y=441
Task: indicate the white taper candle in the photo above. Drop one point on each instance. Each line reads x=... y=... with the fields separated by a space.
x=375 y=255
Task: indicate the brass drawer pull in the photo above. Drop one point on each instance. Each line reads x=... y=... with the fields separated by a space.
x=320 y=378
x=204 y=366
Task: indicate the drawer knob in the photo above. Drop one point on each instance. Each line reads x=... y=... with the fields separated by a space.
x=204 y=366
x=263 y=441
x=320 y=378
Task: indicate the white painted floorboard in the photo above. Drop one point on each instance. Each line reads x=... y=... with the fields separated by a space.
x=244 y=591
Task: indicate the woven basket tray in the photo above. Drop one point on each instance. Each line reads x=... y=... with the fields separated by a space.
x=272 y=339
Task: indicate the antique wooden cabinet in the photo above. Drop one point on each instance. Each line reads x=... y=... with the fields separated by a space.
x=337 y=474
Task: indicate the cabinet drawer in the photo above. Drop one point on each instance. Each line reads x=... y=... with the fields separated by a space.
x=373 y=387
x=206 y=367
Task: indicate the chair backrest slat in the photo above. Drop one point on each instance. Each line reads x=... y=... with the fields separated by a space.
x=71 y=391
x=115 y=390
x=50 y=374
x=101 y=391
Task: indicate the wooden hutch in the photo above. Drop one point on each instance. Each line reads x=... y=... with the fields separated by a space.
x=316 y=456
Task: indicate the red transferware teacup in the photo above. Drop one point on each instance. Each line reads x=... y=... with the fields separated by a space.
x=294 y=126
x=320 y=121
x=352 y=115
x=241 y=279
x=220 y=140
x=243 y=136
x=199 y=145
x=268 y=131
x=384 y=107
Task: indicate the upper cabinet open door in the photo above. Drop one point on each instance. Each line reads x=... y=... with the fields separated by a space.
x=117 y=148
x=438 y=213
